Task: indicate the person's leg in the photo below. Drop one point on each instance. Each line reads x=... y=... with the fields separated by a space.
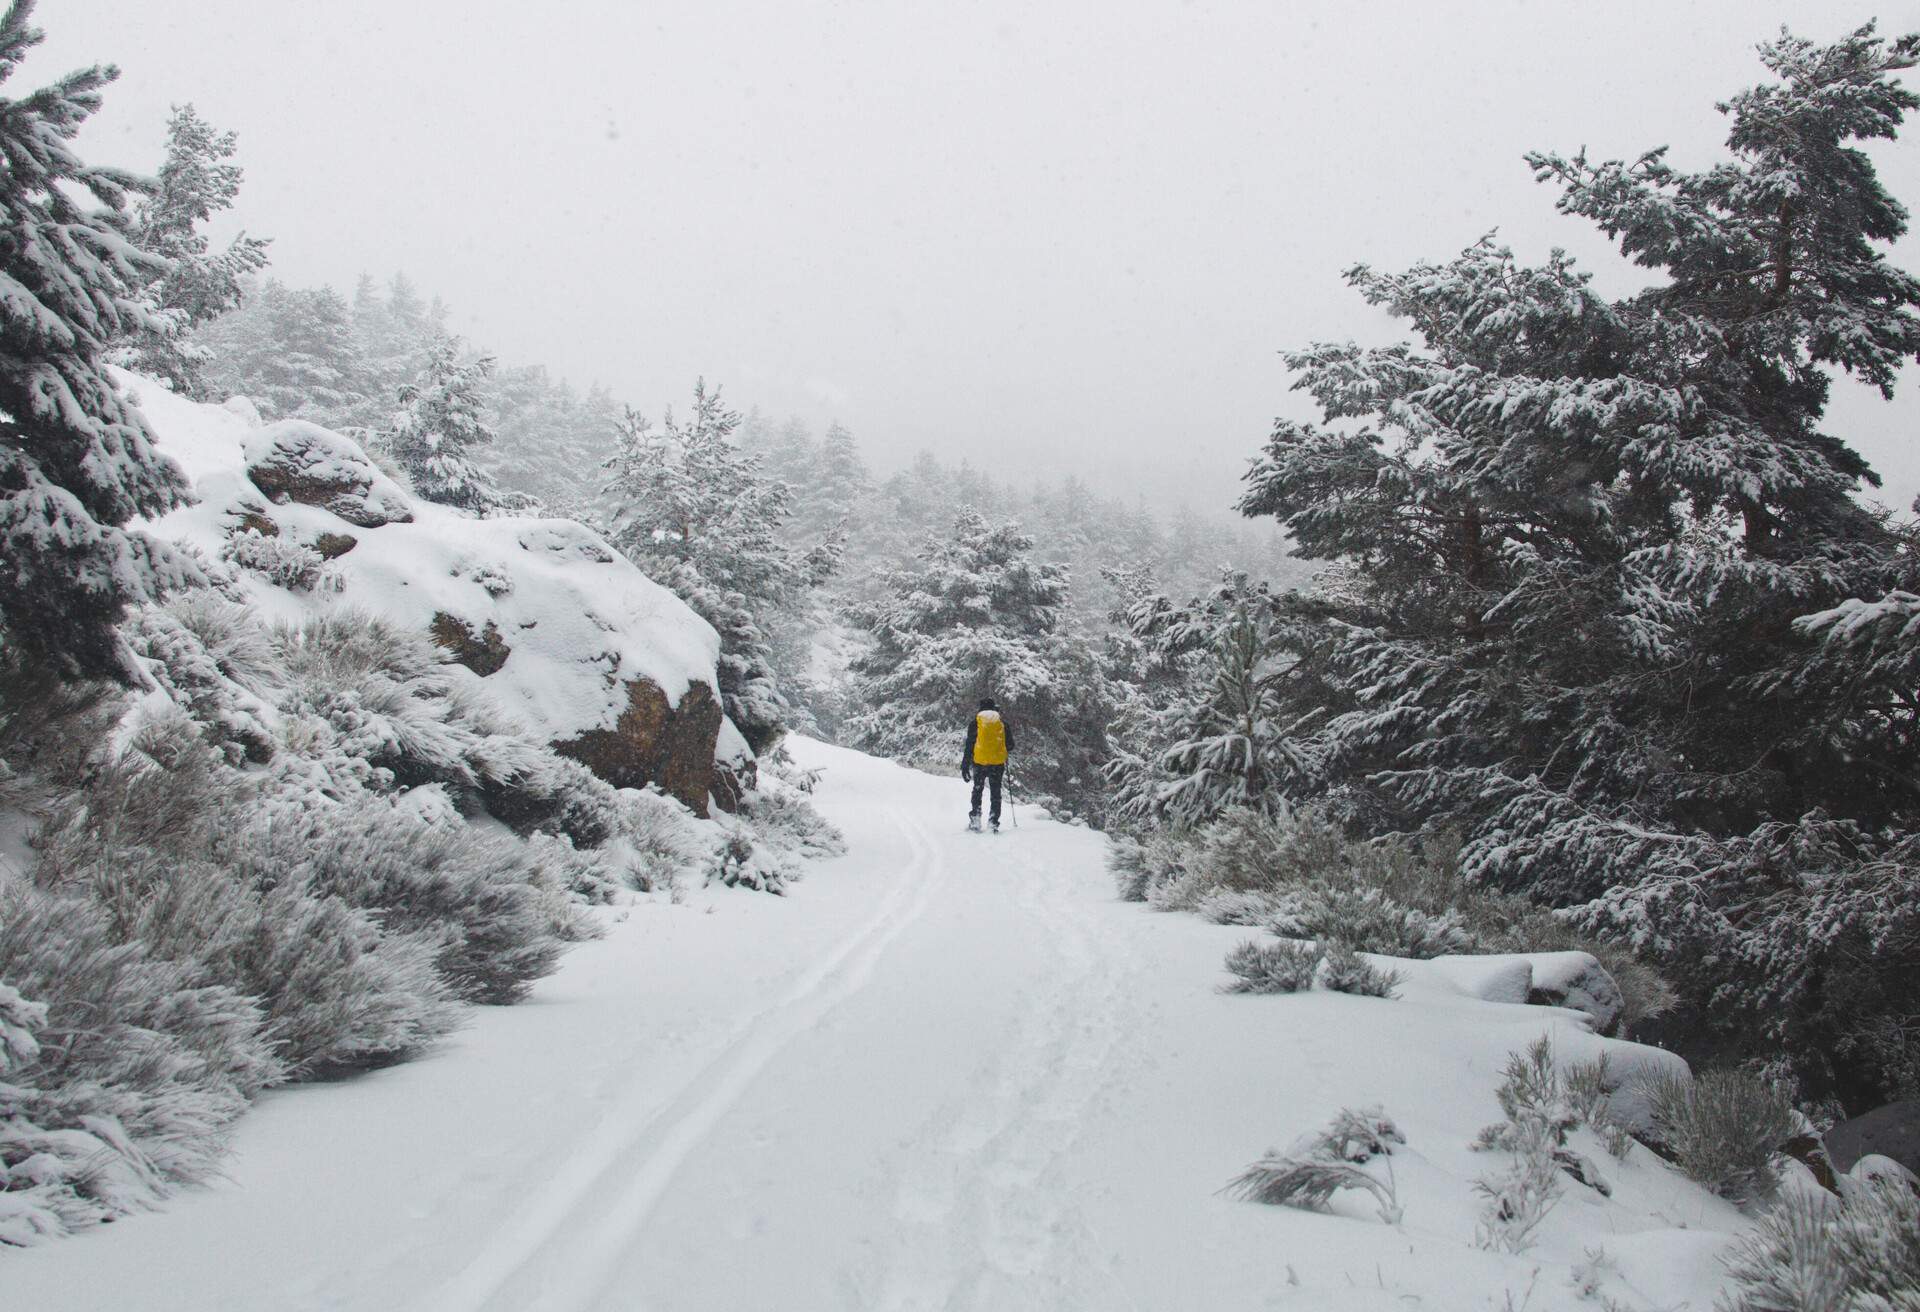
x=979 y=783
x=997 y=771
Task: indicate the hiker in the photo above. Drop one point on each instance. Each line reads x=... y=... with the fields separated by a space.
x=984 y=761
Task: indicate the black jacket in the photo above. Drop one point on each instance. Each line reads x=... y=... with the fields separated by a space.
x=973 y=733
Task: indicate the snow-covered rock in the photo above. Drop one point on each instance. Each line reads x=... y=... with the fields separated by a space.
x=562 y=633
x=1575 y=980
x=1892 y=1131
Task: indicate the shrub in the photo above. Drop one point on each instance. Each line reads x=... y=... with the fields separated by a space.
x=279 y=560
x=1140 y=866
x=657 y=840
x=1519 y=1198
x=1344 y=971
x=1543 y=1106
x=1367 y=919
x=471 y=895
x=1278 y=967
x=1318 y=1165
x=1724 y=1129
x=1230 y=906
x=130 y=1070
x=786 y=820
x=741 y=861
x=1812 y=1252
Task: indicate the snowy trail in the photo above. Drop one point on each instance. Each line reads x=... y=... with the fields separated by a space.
x=949 y=1074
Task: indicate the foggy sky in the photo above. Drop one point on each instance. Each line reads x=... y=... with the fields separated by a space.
x=1048 y=236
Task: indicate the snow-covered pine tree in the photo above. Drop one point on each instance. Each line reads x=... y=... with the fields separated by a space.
x=196 y=181
x=974 y=615
x=1581 y=532
x=296 y=352
x=77 y=460
x=440 y=422
x=698 y=514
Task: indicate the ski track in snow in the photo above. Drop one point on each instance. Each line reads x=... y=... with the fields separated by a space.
x=583 y=1222
x=979 y=1226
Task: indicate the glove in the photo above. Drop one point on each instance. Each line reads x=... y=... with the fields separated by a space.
x=966 y=773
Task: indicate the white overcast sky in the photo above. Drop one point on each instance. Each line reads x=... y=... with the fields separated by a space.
x=1050 y=236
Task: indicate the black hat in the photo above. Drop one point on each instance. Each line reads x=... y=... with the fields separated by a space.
x=986 y=704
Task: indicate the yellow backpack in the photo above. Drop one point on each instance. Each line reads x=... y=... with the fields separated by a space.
x=990 y=739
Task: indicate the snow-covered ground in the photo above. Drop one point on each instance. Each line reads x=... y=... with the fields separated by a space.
x=949 y=1072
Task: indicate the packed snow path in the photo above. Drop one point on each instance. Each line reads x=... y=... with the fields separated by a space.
x=949 y=1072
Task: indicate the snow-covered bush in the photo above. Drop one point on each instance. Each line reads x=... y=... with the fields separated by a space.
x=788 y=821
x=1725 y=1129
x=1282 y=966
x=1369 y=920
x=658 y=841
x=1321 y=1164
x=1812 y=1252
x=130 y=1070
x=279 y=560
x=474 y=897
x=742 y=861
x=1344 y=970
x=1543 y=1106
x=1141 y=865
x=1519 y=1198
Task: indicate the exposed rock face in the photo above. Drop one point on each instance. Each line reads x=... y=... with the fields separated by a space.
x=304 y=463
x=655 y=742
x=483 y=653
x=1889 y=1131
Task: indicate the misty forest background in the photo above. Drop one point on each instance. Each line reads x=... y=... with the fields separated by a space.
x=1568 y=626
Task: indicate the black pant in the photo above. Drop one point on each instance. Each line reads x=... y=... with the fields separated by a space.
x=982 y=776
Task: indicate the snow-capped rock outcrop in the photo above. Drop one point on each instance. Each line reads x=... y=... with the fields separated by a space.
x=560 y=631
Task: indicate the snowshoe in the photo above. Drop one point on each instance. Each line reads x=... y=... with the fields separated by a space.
x=973 y=824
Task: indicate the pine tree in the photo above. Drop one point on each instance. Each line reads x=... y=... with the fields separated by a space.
x=698 y=514
x=972 y=616
x=1587 y=535
x=77 y=460
x=196 y=182
x=440 y=422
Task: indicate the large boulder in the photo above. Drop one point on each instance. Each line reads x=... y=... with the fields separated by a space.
x=553 y=625
x=655 y=741
x=1890 y=1131
x=292 y=461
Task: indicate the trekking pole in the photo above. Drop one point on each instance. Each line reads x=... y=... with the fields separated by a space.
x=1013 y=810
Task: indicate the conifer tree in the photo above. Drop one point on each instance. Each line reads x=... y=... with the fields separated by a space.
x=440 y=423
x=196 y=182
x=77 y=459
x=1587 y=536
x=974 y=615
x=698 y=514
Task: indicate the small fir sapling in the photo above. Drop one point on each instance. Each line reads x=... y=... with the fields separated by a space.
x=1320 y=1164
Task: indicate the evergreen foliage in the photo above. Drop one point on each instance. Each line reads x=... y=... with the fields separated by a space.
x=441 y=421
x=1612 y=607
x=196 y=182
x=975 y=616
x=77 y=460
x=695 y=510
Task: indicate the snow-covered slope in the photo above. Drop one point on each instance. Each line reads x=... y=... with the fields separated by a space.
x=570 y=625
x=951 y=1072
